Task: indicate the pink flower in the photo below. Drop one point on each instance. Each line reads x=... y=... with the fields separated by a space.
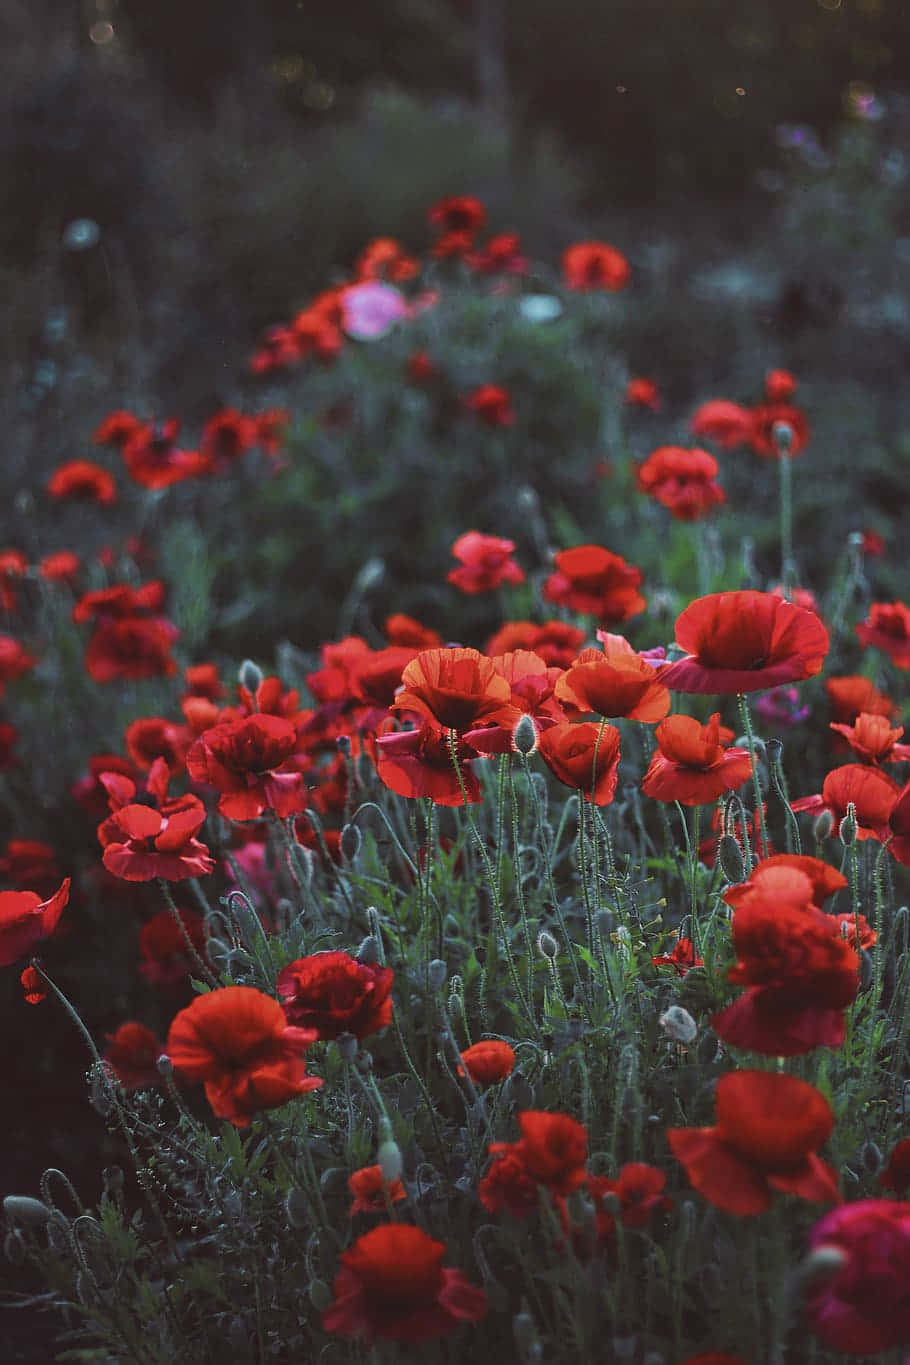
x=371 y=310
x=863 y=1307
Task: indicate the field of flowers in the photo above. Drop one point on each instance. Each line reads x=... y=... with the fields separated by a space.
x=509 y=954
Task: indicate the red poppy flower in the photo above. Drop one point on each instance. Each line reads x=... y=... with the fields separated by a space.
x=333 y=993
x=132 y=1054
x=61 y=567
x=614 y=682
x=13 y=566
x=33 y=990
x=553 y=1148
x=872 y=793
x=768 y=1128
x=864 y=1306
x=487 y=1062
x=372 y=1192
x=9 y=735
x=783 y=877
x=458 y=213
x=691 y=765
x=571 y=751
x=744 y=642
x=30 y=863
x=507 y=1184
x=277 y=350
x=638 y=1189
x=683 y=957
x=392 y=1287
x=887 y=627
x=491 y=405
x=456 y=689
x=238 y=1042
x=246 y=761
x=116 y=429
x=643 y=393
x=873 y=739
x=141 y=843
x=873 y=544
x=726 y=424
x=848 y=924
x=899 y=826
x=419 y=763
x=226 y=436
x=852 y=694
x=764 y=437
x=14 y=661
x=779 y=386
x=555 y=642
x=486 y=563
x=384 y=258
x=594 y=265
x=801 y=976
x=681 y=480
x=166 y=960
x=405 y=630
x=500 y=255
x=131 y=647
x=592 y=580
x=151 y=737
x=82 y=479
x=896 y=1175
x=25 y=919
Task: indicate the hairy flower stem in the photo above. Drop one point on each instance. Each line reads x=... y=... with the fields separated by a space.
x=774 y=749
x=206 y=973
x=519 y=889
x=494 y=892
x=785 y=488
x=756 y=782
x=692 y=871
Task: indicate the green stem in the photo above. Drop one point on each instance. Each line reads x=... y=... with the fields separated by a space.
x=756 y=783
x=787 y=565
x=206 y=973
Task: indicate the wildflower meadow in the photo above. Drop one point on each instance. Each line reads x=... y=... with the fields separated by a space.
x=459 y=823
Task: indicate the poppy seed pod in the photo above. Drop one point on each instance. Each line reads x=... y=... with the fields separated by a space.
x=249 y=675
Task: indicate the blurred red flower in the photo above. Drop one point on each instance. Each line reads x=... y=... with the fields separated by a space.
x=33 y=990
x=853 y=693
x=744 y=642
x=726 y=424
x=553 y=1149
x=681 y=480
x=116 y=429
x=571 y=750
x=683 y=957
x=226 y=436
x=14 y=661
x=768 y=1128
x=391 y=1287
x=507 y=1184
x=25 y=919
x=871 y=791
x=863 y=1306
x=333 y=993
x=132 y=1053
x=458 y=213
x=896 y=1175
x=166 y=960
x=779 y=386
x=61 y=567
x=873 y=740
x=421 y=368
x=594 y=265
x=765 y=439
x=887 y=627
x=643 y=393
x=491 y=405
x=238 y=1042
x=384 y=258
x=500 y=255
x=82 y=479
x=372 y=1192
x=595 y=582
x=488 y=1061
x=486 y=563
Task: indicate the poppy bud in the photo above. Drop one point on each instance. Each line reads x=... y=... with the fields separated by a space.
x=871 y=1157
x=847 y=829
x=524 y=1330
x=524 y=736
x=782 y=436
x=547 y=945
x=350 y=842
x=343 y=745
x=437 y=973
x=249 y=675
x=320 y=1295
x=164 y=1066
x=15 y=1247
x=297 y=1208
x=368 y=952
x=388 y=1155
x=27 y=1210
x=347 y=1046
x=678 y=1024
x=822 y=825
x=821 y=1264
x=730 y=857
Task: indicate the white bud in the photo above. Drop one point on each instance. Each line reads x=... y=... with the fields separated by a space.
x=678 y=1024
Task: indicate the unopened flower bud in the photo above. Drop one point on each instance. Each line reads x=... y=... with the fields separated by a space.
x=678 y=1024
x=547 y=945
x=164 y=1066
x=15 y=1247
x=847 y=829
x=822 y=1263
x=26 y=1209
x=370 y=575
x=822 y=825
x=368 y=952
x=297 y=1208
x=524 y=736
x=320 y=1295
x=782 y=435
x=389 y=1160
x=350 y=842
x=249 y=675
x=730 y=857
x=437 y=974
x=871 y=1157
x=524 y=1330
x=343 y=745
x=347 y=1046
